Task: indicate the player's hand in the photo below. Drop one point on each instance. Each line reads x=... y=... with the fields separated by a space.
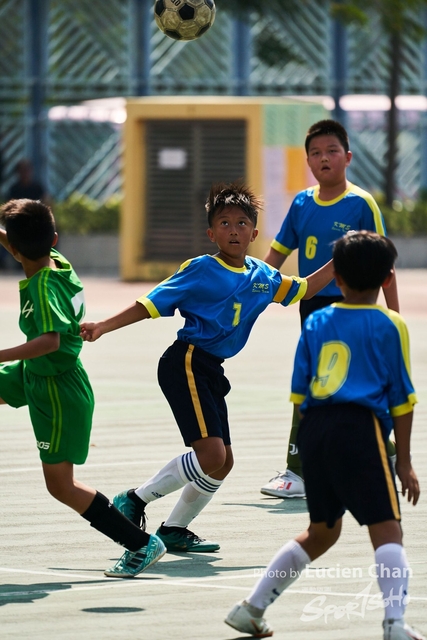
x=409 y=482
x=90 y=331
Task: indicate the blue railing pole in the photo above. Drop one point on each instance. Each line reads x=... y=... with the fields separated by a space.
x=37 y=14
x=423 y=176
x=339 y=69
x=141 y=16
x=242 y=48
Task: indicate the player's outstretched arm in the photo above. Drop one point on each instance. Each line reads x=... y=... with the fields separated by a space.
x=407 y=476
x=91 y=331
x=274 y=258
x=319 y=279
x=40 y=346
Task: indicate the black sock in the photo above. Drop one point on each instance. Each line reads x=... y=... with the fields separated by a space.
x=107 y=519
x=136 y=499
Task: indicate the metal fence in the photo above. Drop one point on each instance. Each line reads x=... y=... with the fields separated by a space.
x=62 y=52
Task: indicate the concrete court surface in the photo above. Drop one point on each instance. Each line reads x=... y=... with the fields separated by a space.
x=52 y=562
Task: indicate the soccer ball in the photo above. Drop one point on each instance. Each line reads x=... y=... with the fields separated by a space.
x=184 y=19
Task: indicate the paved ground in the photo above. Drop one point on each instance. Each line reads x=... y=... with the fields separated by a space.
x=51 y=562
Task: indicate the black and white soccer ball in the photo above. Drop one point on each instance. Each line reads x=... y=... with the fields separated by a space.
x=184 y=19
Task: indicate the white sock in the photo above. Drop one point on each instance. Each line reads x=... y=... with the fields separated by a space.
x=392 y=574
x=193 y=499
x=282 y=571
x=174 y=475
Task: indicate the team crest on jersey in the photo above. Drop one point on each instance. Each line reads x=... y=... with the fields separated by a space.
x=341 y=227
x=261 y=287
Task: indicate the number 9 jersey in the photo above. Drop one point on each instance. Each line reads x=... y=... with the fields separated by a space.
x=358 y=354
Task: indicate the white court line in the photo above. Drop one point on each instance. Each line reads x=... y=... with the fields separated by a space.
x=125 y=463
x=205 y=583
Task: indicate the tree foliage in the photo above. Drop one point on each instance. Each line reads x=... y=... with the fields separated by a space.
x=399 y=19
x=397 y=16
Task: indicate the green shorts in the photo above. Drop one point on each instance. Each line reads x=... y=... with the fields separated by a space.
x=61 y=409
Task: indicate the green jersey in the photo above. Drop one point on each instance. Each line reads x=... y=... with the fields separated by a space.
x=53 y=300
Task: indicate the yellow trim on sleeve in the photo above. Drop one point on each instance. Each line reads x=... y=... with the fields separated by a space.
x=302 y=289
x=285 y=286
x=283 y=289
x=371 y=202
x=280 y=248
x=400 y=325
x=297 y=398
x=151 y=308
x=403 y=409
x=181 y=268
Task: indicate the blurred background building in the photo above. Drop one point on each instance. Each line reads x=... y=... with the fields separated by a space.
x=67 y=68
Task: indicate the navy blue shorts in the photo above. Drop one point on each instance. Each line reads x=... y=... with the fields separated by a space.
x=345 y=464
x=195 y=386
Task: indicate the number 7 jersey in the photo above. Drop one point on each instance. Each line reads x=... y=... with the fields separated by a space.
x=355 y=353
x=220 y=303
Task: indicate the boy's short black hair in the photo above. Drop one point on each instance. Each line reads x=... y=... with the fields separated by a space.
x=30 y=227
x=234 y=194
x=327 y=128
x=364 y=259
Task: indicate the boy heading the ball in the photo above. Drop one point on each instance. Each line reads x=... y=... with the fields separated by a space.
x=220 y=296
x=317 y=217
x=352 y=385
x=49 y=377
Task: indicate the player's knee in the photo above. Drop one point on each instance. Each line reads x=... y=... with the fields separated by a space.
x=214 y=462
x=228 y=465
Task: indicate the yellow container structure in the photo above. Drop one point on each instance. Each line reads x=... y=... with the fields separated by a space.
x=175 y=147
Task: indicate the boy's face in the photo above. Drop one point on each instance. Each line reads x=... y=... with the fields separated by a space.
x=328 y=159
x=233 y=232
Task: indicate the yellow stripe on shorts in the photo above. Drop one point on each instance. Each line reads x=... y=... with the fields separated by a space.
x=193 y=391
x=387 y=473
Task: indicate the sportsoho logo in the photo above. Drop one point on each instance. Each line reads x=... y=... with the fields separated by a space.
x=320 y=607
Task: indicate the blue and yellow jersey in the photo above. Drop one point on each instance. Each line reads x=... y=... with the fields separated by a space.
x=312 y=226
x=221 y=303
x=52 y=300
x=351 y=353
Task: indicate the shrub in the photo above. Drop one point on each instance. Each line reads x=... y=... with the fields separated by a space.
x=82 y=215
x=407 y=218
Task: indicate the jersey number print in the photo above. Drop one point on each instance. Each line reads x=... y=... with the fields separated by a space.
x=237 y=306
x=332 y=369
x=311 y=247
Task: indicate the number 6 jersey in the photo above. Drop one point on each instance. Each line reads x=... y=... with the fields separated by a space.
x=355 y=353
x=312 y=226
